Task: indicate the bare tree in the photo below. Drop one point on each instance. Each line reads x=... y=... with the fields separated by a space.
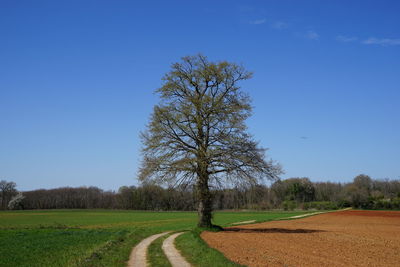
x=197 y=133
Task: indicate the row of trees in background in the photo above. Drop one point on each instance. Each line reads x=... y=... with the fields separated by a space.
x=363 y=192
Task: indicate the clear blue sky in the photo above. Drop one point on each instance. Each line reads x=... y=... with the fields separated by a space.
x=77 y=81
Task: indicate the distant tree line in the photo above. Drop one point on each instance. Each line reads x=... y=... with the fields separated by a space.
x=294 y=193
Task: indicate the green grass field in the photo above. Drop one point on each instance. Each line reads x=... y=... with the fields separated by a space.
x=104 y=237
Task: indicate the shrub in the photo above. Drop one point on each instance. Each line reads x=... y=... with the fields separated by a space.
x=289 y=205
x=343 y=204
x=322 y=205
x=396 y=203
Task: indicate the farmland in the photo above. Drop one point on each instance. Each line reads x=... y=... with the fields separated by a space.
x=98 y=237
x=345 y=238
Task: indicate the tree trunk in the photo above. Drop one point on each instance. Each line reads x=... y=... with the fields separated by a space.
x=204 y=199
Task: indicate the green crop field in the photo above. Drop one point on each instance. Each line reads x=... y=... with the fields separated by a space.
x=98 y=237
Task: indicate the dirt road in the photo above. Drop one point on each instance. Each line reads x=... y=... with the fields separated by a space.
x=346 y=238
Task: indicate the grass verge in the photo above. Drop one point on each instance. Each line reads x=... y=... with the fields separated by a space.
x=156 y=255
x=198 y=253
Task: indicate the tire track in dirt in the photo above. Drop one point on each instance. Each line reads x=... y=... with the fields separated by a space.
x=173 y=255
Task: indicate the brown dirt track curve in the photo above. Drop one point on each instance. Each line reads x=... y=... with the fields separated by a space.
x=345 y=238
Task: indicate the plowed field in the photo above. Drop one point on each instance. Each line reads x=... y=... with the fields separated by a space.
x=346 y=238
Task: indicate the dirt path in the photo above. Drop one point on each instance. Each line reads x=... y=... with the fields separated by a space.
x=173 y=255
x=138 y=257
x=346 y=238
x=244 y=222
x=305 y=215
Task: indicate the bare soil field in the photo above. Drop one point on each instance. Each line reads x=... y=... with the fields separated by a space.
x=345 y=238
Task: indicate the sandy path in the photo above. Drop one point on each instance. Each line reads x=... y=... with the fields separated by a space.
x=138 y=257
x=244 y=222
x=305 y=215
x=173 y=255
x=346 y=238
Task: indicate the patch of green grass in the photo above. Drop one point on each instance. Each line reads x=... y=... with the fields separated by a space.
x=49 y=247
x=95 y=237
x=156 y=255
x=198 y=253
x=92 y=218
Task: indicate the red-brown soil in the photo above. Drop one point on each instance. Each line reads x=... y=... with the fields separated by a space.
x=345 y=238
